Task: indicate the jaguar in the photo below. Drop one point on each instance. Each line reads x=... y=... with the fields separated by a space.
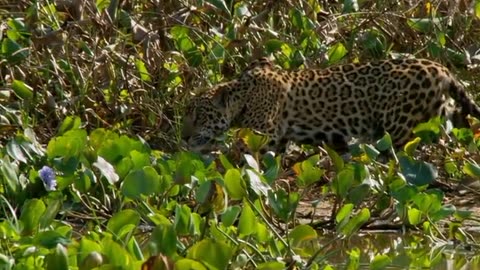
x=328 y=106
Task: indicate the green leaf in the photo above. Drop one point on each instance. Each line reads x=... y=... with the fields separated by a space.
x=70 y=144
x=356 y=222
x=182 y=219
x=430 y=130
x=58 y=259
x=231 y=215
x=357 y=194
x=336 y=158
x=471 y=169
x=69 y=123
x=142 y=69
x=32 y=212
x=336 y=53
x=123 y=222
x=12 y=51
x=235 y=185
x=385 y=143
x=380 y=262
x=189 y=264
x=116 y=254
x=414 y=216
x=145 y=181
x=87 y=246
x=344 y=212
x=7 y=168
x=246 y=224
x=411 y=146
x=342 y=182
x=50 y=239
x=215 y=255
x=273 y=45
x=22 y=90
x=283 y=203
x=307 y=171
x=417 y=172
x=272 y=265
x=476 y=9
x=179 y=31
x=301 y=234
x=164 y=240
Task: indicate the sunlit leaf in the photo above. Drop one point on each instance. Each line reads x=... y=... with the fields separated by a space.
x=22 y=90
x=414 y=216
x=230 y=215
x=301 y=234
x=32 y=212
x=247 y=221
x=336 y=53
x=215 y=255
x=235 y=184
x=58 y=259
x=145 y=181
x=411 y=146
x=380 y=262
x=123 y=222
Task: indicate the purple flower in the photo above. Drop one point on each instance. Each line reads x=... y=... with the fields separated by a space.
x=48 y=177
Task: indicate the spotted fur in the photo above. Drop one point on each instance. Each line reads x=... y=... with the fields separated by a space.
x=332 y=106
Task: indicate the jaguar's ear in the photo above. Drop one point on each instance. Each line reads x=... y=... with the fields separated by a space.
x=220 y=98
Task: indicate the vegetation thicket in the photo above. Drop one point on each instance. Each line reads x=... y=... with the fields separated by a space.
x=93 y=172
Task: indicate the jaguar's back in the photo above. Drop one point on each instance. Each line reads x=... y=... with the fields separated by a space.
x=332 y=105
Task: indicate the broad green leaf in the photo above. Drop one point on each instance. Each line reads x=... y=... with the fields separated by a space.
x=91 y=261
x=272 y=265
x=235 y=184
x=301 y=234
x=344 y=212
x=145 y=181
x=472 y=169
x=70 y=144
x=13 y=52
x=231 y=215
x=50 y=239
x=32 y=212
x=380 y=261
x=357 y=194
x=116 y=254
x=411 y=146
x=336 y=158
x=307 y=172
x=87 y=246
x=342 y=182
x=22 y=90
x=182 y=219
x=211 y=196
x=163 y=240
x=247 y=221
x=189 y=264
x=417 y=172
x=423 y=25
x=336 y=53
x=273 y=45
x=215 y=255
x=283 y=203
x=414 y=216
x=356 y=222
x=58 y=260
x=385 y=143
x=9 y=173
x=69 y=123
x=123 y=222
x=179 y=31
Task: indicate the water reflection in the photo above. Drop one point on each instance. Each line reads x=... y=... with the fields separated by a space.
x=411 y=251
